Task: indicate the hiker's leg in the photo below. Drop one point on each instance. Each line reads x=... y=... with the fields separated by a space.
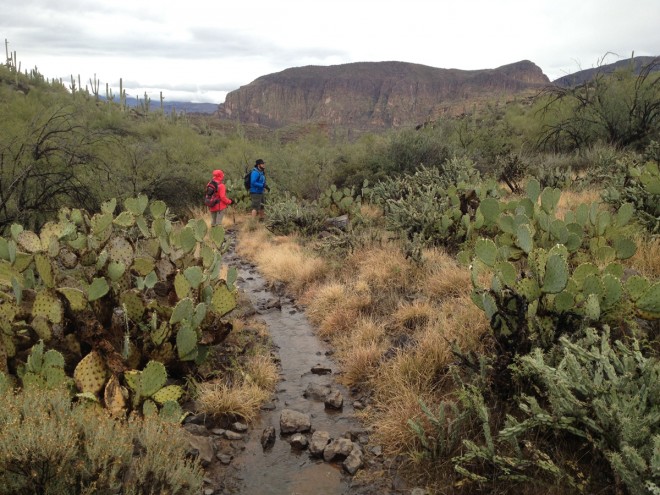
x=257 y=203
x=214 y=218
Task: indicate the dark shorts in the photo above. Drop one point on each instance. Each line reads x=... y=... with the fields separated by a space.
x=257 y=201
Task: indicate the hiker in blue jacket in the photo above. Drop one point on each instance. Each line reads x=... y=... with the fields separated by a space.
x=257 y=188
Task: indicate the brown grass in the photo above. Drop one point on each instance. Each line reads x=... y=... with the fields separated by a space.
x=570 y=199
x=334 y=307
x=647 y=257
x=361 y=351
x=443 y=277
x=381 y=267
x=391 y=418
x=261 y=371
x=411 y=316
x=282 y=259
x=243 y=401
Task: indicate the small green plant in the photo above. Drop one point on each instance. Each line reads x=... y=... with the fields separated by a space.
x=51 y=446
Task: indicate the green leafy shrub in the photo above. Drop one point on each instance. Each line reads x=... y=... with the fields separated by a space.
x=51 y=446
x=288 y=216
x=433 y=206
x=606 y=395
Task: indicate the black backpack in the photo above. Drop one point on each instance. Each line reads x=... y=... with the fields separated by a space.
x=210 y=198
x=247 y=179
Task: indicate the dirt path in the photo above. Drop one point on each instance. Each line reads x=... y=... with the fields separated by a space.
x=283 y=469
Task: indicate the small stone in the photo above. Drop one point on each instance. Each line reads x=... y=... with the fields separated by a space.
x=209 y=491
x=320 y=370
x=353 y=462
x=316 y=391
x=377 y=450
x=225 y=458
x=334 y=400
x=268 y=437
x=358 y=405
x=195 y=429
x=218 y=431
x=338 y=449
x=198 y=419
x=320 y=440
x=299 y=441
x=239 y=427
x=294 y=421
x=232 y=435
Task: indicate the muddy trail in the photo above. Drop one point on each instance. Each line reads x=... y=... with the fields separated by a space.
x=248 y=462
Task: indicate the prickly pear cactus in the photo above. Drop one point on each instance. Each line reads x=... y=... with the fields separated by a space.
x=69 y=282
x=91 y=373
x=553 y=276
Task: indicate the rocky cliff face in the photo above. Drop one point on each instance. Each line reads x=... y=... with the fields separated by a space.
x=371 y=95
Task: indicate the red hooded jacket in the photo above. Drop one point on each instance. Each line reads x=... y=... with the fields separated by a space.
x=221 y=194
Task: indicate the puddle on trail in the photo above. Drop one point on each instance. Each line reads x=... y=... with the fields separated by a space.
x=283 y=470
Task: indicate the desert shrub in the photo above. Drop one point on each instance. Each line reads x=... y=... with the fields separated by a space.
x=511 y=169
x=619 y=108
x=433 y=206
x=607 y=396
x=289 y=215
x=638 y=185
x=592 y=395
x=52 y=446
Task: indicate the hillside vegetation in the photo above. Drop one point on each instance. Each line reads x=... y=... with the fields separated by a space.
x=493 y=299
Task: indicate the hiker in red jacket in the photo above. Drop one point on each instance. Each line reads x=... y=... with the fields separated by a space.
x=217 y=200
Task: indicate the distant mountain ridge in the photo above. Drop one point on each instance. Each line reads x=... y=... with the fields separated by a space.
x=373 y=95
x=177 y=106
x=383 y=95
x=582 y=76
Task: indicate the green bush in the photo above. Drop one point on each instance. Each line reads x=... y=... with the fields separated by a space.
x=50 y=446
x=433 y=206
x=606 y=395
x=288 y=216
x=639 y=184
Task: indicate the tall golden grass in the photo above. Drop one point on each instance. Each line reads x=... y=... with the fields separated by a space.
x=282 y=259
x=218 y=399
x=647 y=258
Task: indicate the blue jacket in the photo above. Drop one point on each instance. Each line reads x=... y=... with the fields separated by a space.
x=257 y=181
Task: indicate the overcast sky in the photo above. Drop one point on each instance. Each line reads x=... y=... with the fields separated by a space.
x=198 y=50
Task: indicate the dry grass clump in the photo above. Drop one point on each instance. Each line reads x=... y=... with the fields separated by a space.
x=570 y=199
x=282 y=259
x=443 y=277
x=334 y=307
x=411 y=316
x=322 y=299
x=419 y=371
x=391 y=418
x=360 y=363
x=261 y=371
x=647 y=257
x=462 y=322
x=381 y=267
x=360 y=352
x=251 y=242
x=242 y=401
